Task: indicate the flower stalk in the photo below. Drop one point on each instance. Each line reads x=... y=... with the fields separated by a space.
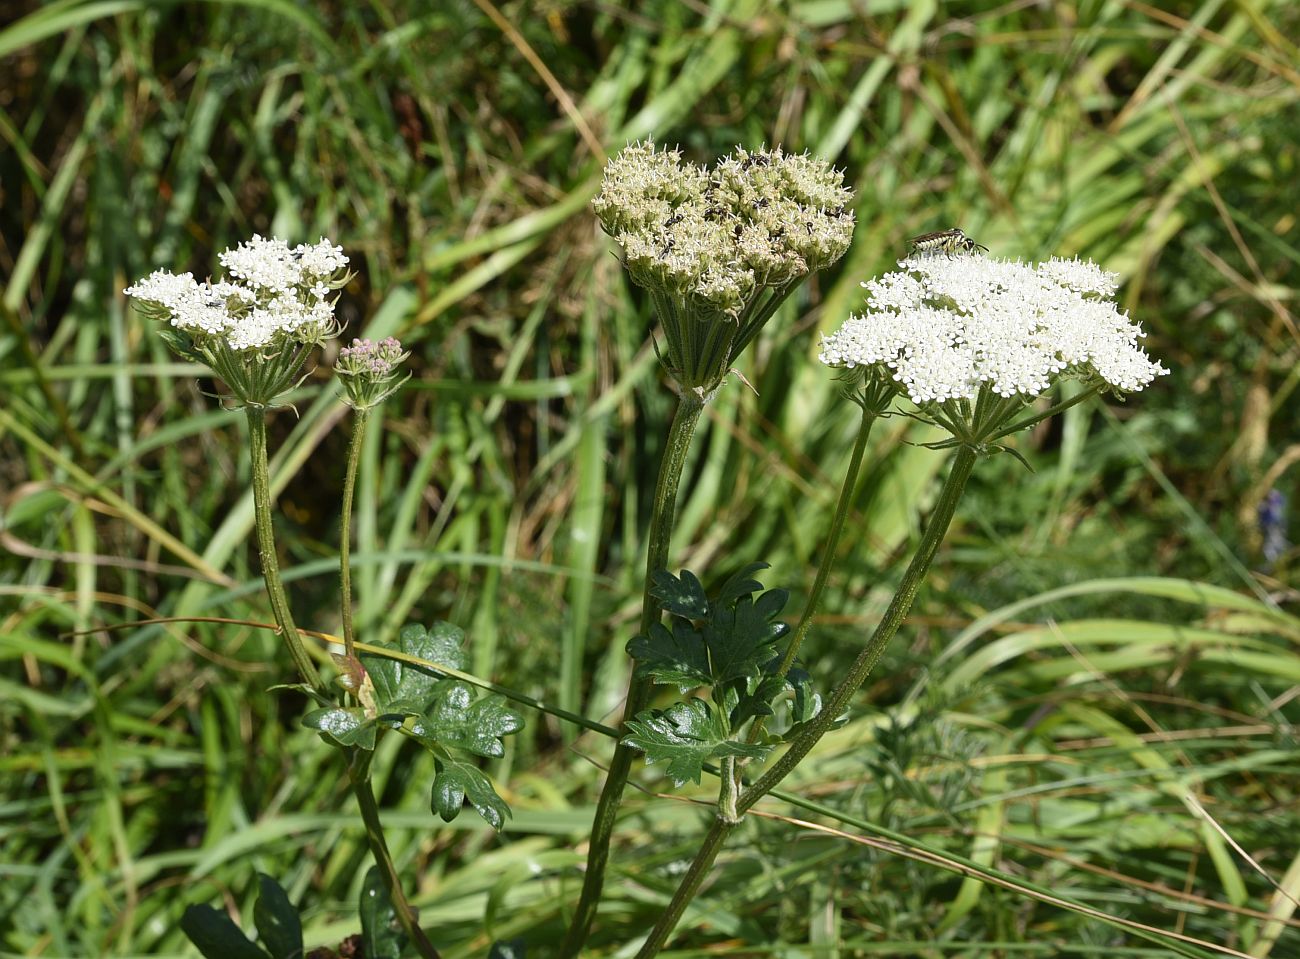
x=256 y=416
x=662 y=516
x=865 y=662
x=359 y=778
x=360 y=418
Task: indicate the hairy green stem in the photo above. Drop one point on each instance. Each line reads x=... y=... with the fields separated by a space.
x=360 y=418
x=266 y=548
x=689 y=407
x=359 y=777
x=899 y=607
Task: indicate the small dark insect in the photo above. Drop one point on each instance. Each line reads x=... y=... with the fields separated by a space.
x=714 y=213
x=945 y=241
x=675 y=218
x=668 y=246
x=738 y=230
x=755 y=159
x=761 y=202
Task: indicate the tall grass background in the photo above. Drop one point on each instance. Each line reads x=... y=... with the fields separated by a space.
x=1097 y=692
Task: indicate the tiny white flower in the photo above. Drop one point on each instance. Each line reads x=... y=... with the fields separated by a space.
x=942 y=328
x=255 y=326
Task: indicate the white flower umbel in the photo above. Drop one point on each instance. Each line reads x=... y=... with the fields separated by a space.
x=971 y=339
x=720 y=249
x=255 y=328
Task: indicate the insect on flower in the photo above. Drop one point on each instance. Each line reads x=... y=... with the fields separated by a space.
x=945 y=241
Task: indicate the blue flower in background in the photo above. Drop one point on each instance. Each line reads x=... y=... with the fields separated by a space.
x=1272 y=525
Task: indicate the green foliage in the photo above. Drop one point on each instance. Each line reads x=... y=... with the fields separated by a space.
x=728 y=644
x=217 y=937
x=438 y=712
x=501 y=489
x=382 y=936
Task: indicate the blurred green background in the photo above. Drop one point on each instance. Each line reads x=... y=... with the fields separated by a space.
x=1125 y=732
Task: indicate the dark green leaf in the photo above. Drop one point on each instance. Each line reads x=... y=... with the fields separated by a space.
x=277 y=920
x=404 y=687
x=682 y=597
x=685 y=736
x=757 y=701
x=740 y=584
x=381 y=932
x=216 y=935
x=346 y=726
x=807 y=701
x=672 y=657
x=740 y=638
x=455 y=781
x=454 y=719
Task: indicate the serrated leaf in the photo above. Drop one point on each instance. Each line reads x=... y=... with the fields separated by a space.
x=740 y=638
x=381 y=932
x=455 y=781
x=740 y=584
x=685 y=736
x=346 y=726
x=757 y=701
x=455 y=719
x=682 y=596
x=672 y=657
x=807 y=701
x=405 y=687
x=216 y=936
x=277 y=920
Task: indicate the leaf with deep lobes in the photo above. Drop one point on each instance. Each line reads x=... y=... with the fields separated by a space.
x=682 y=596
x=740 y=638
x=672 y=657
x=344 y=726
x=455 y=781
x=456 y=719
x=402 y=686
x=685 y=736
x=740 y=584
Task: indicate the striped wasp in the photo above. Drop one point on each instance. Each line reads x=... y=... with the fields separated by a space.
x=945 y=241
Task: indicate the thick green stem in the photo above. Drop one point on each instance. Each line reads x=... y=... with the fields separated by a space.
x=689 y=407
x=360 y=418
x=359 y=776
x=266 y=548
x=839 y=700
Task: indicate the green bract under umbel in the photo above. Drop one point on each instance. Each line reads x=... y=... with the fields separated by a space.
x=719 y=250
x=256 y=327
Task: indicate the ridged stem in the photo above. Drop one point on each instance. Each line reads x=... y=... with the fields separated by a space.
x=360 y=418
x=266 y=548
x=663 y=513
x=899 y=607
x=359 y=777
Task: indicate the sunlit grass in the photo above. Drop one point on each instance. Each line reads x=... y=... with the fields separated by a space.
x=1096 y=693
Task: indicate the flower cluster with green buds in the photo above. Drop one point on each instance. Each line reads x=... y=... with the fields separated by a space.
x=719 y=250
x=972 y=339
x=255 y=327
x=369 y=371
